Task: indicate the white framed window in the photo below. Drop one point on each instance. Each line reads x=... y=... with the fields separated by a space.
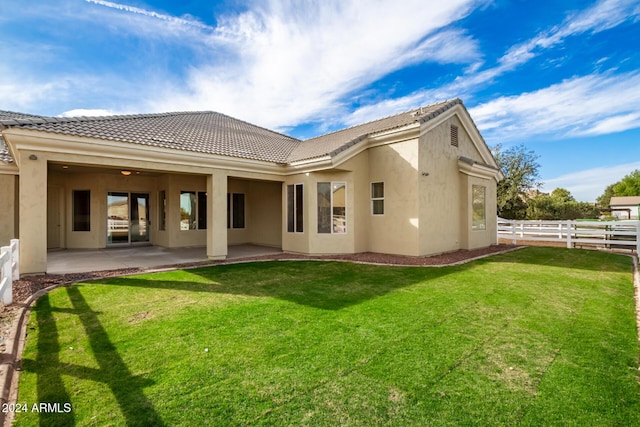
x=332 y=207
x=377 y=198
x=295 y=208
x=478 y=208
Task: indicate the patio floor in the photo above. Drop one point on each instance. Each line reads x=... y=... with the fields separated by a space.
x=86 y=260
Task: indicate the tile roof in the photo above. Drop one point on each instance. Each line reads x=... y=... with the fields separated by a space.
x=335 y=142
x=5 y=157
x=205 y=132
x=214 y=133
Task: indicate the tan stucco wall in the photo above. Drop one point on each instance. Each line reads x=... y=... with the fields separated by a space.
x=440 y=190
x=445 y=194
x=263 y=213
x=216 y=234
x=33 y=213
x=8 y=200
x=397 y=230
x=360 y=197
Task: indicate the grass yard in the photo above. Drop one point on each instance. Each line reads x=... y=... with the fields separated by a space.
x=540 y=336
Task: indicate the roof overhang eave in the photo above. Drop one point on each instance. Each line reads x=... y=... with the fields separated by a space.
x=60 y=145
x=8 y=168
x=479 y=170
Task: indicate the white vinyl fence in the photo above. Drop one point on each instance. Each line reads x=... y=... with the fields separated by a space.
x=9 y=270
x=610 y=234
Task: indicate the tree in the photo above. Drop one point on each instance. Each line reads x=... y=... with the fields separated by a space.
x=562 y=195
x=627 y=186
x=520 y=169
x=604 y=201
x=560 y=205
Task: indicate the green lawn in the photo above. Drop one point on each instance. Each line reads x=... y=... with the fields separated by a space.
x=540 y=336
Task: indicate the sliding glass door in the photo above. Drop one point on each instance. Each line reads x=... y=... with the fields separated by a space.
x=127 y=218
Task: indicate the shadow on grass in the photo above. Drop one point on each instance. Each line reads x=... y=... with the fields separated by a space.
x=333 y=285
x=323 y=285
x=112 y=371
x=49 y=382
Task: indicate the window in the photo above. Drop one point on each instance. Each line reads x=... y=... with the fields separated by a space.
x=454 y=135
x=193 y=210
x=81 y=210
x=235 y=210
x=202 y=210
x=377 y=198
x=295 y=209
x=162 y=210
x=332 y=207
x=479 y=215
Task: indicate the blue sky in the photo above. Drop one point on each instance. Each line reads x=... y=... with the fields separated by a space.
x=560 y=77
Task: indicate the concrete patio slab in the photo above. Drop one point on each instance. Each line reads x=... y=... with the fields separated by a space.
x=86 y=260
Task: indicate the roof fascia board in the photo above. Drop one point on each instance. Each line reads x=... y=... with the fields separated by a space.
x=8 y=169
x=173 y=160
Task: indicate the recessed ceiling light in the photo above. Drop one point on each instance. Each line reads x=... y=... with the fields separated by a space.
x=125 y=173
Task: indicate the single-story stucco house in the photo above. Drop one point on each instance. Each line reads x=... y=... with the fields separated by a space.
x=417 y=183
x=625 y=207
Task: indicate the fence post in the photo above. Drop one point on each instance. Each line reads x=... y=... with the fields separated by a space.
x=15 y=247
x=513 y=232
x=638 y=238
x=569 y=231
x=7 y=295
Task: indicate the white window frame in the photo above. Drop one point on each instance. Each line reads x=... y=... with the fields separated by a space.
x=373 y=199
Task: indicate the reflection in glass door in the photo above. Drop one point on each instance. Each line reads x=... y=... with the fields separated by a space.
x=127 y=218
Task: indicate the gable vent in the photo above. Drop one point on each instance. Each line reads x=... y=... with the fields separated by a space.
x=454 y=135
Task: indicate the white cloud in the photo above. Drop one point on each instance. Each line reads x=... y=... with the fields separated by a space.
x=188 y=20
x=603 y=15
x=575 y=107
x=288 y=62
x=23 y=93
x=87 y=112
x=587 y=185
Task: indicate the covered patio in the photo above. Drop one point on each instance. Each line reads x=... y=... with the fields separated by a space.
x=87 y=260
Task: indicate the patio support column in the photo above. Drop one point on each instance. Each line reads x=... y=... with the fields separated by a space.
x=33 y=212
x=217 y=215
